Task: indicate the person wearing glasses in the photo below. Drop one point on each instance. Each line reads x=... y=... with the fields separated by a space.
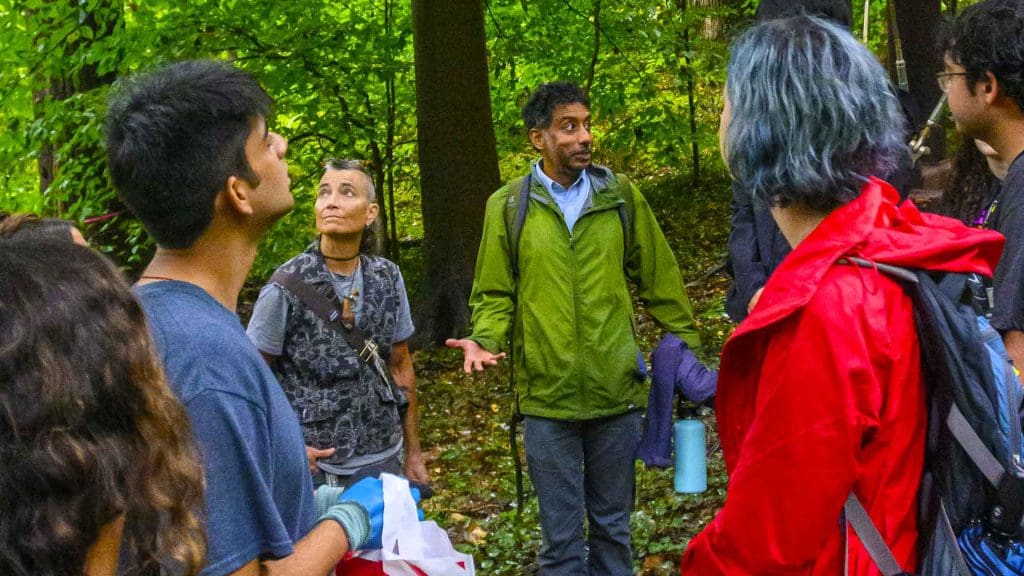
x=983 y=77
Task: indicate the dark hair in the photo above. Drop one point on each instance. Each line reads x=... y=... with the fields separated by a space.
x=836 y=11
x=541 y=106
x=989 y=37
x=371 y=239
x=795 y=139
x=174 y=136
x=971 y=189
x=32 y=227
x=89 y=430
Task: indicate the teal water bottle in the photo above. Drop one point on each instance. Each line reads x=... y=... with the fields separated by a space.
x=691 y=474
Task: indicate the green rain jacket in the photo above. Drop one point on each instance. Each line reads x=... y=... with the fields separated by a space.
x=574 y=344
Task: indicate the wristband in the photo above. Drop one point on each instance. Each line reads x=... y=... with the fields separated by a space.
x=354 y=520
x=326 y=496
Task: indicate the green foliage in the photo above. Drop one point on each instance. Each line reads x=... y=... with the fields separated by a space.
x=877 y=30
x=51 y=55
x=637 y=76
x=328 y=65
x=343 y=79
x=342 y=75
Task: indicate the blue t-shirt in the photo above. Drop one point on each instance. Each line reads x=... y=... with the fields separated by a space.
x=259 y=494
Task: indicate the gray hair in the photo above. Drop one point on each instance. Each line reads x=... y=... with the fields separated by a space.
x=356 y=165
x=813 y=114
x=371 y=240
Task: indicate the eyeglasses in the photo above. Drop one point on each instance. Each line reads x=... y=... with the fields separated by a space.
x=943 y=79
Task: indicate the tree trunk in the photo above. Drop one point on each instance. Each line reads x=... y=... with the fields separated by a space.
x=597 y=45
x=457 y=156
x=379 y=170
x=712 y=26
x=683 y=51
x=918 y=21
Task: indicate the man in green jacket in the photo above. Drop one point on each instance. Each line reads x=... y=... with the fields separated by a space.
x=562 y=290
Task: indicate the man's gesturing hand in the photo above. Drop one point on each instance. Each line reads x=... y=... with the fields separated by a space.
x=474 y=357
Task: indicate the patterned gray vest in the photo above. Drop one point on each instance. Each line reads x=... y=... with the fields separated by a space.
x=341 y=402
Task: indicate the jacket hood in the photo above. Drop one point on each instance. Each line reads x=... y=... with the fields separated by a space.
x=875 y=228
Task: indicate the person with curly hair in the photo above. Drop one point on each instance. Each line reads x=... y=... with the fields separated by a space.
x=96 y=459
x=978 y=174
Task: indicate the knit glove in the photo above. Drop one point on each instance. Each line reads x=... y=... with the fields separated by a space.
x=359 y=510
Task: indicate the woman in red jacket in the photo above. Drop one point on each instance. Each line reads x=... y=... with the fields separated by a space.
x=820 y=390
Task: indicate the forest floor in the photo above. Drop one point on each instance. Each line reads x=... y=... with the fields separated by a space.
x=464 y=420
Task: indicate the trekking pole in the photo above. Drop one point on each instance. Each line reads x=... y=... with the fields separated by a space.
x=513 y=424
x=513 y=444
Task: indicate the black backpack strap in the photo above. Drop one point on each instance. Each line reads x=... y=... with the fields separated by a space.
x=626 y=212
x=901 y=274
x=324 y=309
x=515 y=217
x=317 y=303
x=1006 y=518
x=869 y=536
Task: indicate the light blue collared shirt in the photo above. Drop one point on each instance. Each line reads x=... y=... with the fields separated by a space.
x=572 y=200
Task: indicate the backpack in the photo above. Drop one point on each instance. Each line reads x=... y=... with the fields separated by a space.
x=517 y=204
x=972 y=489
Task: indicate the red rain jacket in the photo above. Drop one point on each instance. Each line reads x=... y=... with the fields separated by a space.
x=820 y=393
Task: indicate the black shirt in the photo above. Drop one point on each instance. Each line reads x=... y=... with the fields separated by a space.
x=757 y=246
x=1008 y=220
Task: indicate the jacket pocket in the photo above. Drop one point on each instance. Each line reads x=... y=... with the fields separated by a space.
x=329 y=367
x=321 y=415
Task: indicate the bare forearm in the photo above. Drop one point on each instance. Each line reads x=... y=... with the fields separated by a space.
x=405 y=377
x=317 y=553
x=400 y=366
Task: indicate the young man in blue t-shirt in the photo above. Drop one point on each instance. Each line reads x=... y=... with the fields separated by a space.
x=190 y=154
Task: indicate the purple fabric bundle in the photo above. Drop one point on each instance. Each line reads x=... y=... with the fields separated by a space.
x=675 y=370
